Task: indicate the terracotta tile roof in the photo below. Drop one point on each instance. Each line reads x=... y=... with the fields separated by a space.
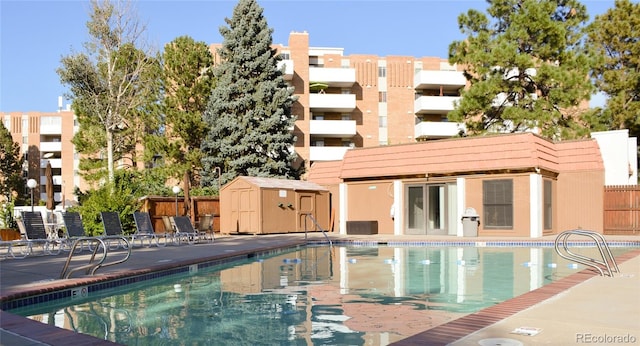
x=521 y=151
x=579 y=155
x=325 y=172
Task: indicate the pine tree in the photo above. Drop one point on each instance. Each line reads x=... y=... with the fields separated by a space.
x=615 y=39
x=188 y=82
x=249 y=111
x=527 y=68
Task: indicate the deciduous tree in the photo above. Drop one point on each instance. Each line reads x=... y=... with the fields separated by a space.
x=110 y=83
x=11 y=159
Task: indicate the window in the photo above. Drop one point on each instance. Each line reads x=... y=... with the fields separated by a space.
x=382 y=71
x=497 y=200
x=548 y=205
x=382 y=96
x=285 y=55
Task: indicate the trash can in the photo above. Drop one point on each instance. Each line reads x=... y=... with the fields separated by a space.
x=470 y=222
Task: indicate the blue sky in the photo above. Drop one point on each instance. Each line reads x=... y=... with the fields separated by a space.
x=34 y=35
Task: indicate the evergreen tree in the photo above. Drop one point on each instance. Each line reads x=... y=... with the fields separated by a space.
x=249 y=112
x=527 y=68
x=615 y=39
x=10 y=166
x=188 y=82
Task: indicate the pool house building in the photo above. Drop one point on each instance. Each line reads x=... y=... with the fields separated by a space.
x=518 y=185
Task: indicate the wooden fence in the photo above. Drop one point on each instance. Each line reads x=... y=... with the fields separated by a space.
x=158 y=206
x=622 y=210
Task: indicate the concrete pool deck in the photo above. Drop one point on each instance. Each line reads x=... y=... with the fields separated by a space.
x=578 y=309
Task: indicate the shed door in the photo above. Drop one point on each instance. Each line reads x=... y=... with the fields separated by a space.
x=306 y=205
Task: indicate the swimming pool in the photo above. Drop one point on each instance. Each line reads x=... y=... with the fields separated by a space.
x=315 y=295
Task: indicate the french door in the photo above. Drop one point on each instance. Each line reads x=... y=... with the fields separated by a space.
x=426 y=211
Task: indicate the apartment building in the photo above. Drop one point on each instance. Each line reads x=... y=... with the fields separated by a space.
x=343 y=102
x=45 y=137
x=362 y=100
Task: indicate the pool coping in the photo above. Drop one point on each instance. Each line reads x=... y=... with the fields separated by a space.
x=34 y=331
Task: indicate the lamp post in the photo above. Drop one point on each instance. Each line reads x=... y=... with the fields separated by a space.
x=176 y=190
x=31 y=184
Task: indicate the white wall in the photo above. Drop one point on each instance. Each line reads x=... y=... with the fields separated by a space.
x=620 y=156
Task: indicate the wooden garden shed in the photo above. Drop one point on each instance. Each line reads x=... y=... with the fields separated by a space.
x=259 y=205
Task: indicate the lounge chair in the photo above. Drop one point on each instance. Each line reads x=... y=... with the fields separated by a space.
x=32 y=227
x=205 y=228
x=74 y=228
x=185 y=230
x=144 y=231
x=113 y=233
x=15 y=248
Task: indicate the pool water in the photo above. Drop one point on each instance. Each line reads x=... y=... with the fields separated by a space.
x=366 y=295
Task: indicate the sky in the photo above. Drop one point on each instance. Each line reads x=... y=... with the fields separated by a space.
x=35 y=35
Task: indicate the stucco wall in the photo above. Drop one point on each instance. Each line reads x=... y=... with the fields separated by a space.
x=580 y=201
x=371 y=201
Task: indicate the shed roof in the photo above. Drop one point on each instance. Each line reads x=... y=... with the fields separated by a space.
x=277 y=183
x=501 y=152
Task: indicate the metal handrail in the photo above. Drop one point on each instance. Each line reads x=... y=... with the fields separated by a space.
x=317 y=226
x=92 y=266
x=588 y=261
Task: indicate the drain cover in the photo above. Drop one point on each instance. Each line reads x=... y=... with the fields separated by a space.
x=500 y=342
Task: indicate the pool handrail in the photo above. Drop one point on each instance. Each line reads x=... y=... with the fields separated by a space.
x=310 y=216
x=588 y=261
x=92 y=266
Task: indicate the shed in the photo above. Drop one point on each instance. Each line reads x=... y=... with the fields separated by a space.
x=260 y=205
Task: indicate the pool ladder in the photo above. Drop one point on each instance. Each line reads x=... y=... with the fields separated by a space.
x=317 y=226
x=607 y=263
x=97 y=243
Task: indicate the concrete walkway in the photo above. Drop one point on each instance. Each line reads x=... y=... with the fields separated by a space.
x=596 y=307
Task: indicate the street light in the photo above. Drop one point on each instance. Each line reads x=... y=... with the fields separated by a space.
x=176 y=190
x=31 y=184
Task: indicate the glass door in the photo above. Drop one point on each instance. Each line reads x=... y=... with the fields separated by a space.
x=426 y=209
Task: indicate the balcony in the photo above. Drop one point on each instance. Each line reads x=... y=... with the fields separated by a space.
x=327 y=153
x=339 y=103
x=51 y=125
x=435 y=129
x=48 y=147
x=288 y=68
x=333 y=128
x=448 y=80
x=57 y=180
x=434 y=104
x=55 y=163
x=333 y=77
x=56 y=196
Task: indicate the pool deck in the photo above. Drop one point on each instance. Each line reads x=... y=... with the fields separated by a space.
x=582 y=308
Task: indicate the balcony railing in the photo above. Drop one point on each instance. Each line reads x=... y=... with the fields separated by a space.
x=47 y=147
x=434 y=104
x=55 y=163
x=448 y=80
x=435 y=129
x=327 y=153
x=333 y=77
x=333 y=128
x=342 y=103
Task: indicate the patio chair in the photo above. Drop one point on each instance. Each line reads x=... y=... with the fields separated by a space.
x=145 y=231
x=185 y=230
x=205 y=228
x=113 y=232
x=32 y=228
x=74 y=229
x=15 y=248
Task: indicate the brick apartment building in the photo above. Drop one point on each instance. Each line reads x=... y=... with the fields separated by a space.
x=343 y=102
